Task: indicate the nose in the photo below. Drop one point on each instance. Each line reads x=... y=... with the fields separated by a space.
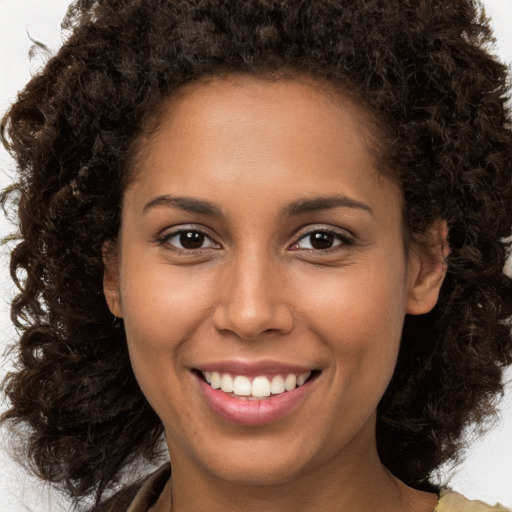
x=252 y=300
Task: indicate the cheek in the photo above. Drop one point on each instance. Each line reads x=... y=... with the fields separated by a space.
x=363 y=338
x=355 y=303
x=162 y=310
x=359 y=316
x=162 y=306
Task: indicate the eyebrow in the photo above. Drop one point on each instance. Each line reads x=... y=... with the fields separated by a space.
x=315 y=204
x=298 y=207
x=187 y=204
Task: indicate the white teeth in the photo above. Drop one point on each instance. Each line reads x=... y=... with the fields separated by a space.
x=277 y=385
x=242 y=386
x=226 y=383
x=215 y=383
x=290 y=382
x=260 y=387
x=303 y=377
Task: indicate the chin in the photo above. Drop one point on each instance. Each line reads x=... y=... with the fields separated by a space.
x=257 y=473
x=253 y=462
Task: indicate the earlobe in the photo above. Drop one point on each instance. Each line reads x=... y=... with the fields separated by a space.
x=111 y=279
x=427 y=269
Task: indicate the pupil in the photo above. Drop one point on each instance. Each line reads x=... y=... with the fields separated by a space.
x=322 y=240
x=191 y=239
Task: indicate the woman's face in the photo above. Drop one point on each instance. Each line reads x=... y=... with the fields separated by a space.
x=259 y=246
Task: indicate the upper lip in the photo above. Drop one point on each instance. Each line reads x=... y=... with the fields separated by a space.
x=254 y=368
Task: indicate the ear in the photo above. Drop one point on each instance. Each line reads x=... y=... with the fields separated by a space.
x=111 y=278
x=427 y=269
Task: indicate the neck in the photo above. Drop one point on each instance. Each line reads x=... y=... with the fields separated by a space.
x=344 y=482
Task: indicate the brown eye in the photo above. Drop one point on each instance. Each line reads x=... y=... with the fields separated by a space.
x=322 y=241
x=189 y=240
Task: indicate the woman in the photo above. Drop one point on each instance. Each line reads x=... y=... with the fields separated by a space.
x=272 y=231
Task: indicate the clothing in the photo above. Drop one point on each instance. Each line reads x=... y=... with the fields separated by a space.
x=154 y=496
x=454 y=502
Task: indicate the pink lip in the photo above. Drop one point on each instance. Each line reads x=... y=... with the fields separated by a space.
x=253 y=368
x=254 y=412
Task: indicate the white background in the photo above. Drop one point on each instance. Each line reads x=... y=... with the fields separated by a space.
x=487 y=472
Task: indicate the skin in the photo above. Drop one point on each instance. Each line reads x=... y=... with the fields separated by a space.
x=257 y=289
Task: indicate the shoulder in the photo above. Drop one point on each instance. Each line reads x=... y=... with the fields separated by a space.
x=451 y=501
x=138 y=497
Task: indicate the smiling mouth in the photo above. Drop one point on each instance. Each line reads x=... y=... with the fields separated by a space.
x=257 y=388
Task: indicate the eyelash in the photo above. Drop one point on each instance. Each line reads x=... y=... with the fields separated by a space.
x=344 y=240
x=165 y=240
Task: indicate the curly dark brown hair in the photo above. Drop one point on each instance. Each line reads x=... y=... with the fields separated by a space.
x=421 y=69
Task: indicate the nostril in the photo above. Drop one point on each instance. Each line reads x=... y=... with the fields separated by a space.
x=249 y=324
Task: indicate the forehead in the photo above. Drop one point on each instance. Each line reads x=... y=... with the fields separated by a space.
x=234 y=97
x=292 y=135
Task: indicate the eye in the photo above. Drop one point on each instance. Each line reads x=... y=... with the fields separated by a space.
x=188 y=240
x=321 y=240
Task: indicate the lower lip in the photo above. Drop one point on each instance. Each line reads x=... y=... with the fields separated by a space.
x=254 y=412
